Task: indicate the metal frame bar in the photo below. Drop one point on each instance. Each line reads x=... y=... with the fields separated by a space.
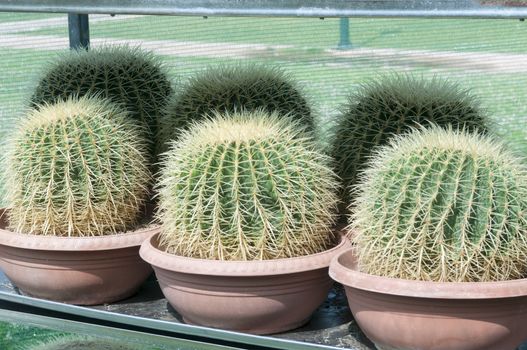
x=344 y=34
x=79 y=31
x=174 y=329
x=118 y=334
x=275 y=8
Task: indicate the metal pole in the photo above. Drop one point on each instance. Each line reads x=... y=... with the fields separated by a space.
x=344 y=43
x=79 y=31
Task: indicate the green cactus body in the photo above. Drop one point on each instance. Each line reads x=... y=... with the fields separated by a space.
x=246 y=186
x=76 y=168
x=392 y=105
x=234 y=88
x=443 y=205
x=128 y=76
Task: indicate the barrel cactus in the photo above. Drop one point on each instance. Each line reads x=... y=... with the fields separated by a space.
x=246 y=186
x=76 y=168
x=132 y=77
x=230 y=89
x=443 y=205
x=388 y=106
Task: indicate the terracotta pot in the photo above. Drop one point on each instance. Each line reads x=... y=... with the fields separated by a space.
x=260 y=297
x=403 y=314
x=75 y=270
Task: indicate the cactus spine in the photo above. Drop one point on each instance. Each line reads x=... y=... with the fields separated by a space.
x=392 y=105
x=76 y=168
x=246 y=186
x=443 y=205
x=234 y=88
x=129 y=76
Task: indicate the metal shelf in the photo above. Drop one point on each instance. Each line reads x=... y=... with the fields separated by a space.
x=149 y=312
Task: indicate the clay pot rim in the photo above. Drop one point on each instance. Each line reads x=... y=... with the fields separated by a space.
x=343 y=269
x=87 y=243
x=158 y=258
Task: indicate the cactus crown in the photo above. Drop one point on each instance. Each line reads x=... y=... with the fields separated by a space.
x=132 y=77
x=246 y=186
x=392 y=105
x=234 y=88
x=76 y=168
x=442 y=205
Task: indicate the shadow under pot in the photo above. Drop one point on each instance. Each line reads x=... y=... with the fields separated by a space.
x=74 y=270
x=403 y=314
x=259 y=297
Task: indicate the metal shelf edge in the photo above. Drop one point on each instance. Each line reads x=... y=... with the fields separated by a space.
x=172 y=327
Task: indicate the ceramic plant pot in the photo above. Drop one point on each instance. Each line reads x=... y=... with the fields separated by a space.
x=259 y=297
x=402 y=314
x=74 y=270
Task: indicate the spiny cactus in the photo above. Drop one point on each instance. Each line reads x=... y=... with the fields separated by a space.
x=246 y=186
x=443 y=205
x=381 y=108
x=132 y=77
x=234 y=88
x=76 y=168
